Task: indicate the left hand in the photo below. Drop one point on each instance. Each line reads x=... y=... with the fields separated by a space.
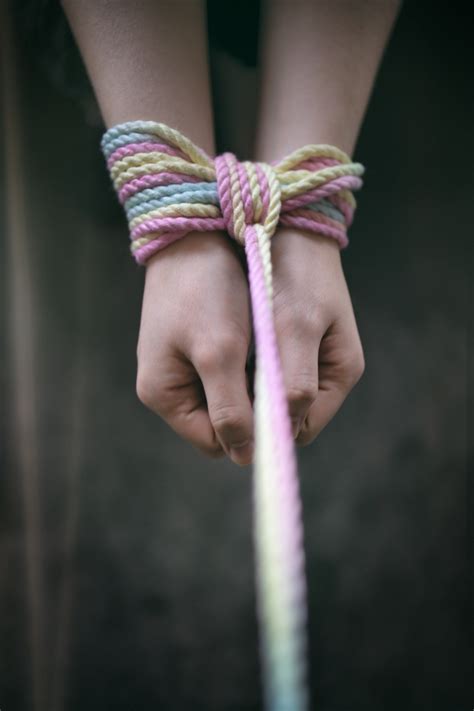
x=318 y=340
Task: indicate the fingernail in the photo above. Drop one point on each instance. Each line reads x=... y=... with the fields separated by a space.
x=296 y=423
x=241 y=452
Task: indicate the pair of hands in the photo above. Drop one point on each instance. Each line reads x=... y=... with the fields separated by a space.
x=195 y=335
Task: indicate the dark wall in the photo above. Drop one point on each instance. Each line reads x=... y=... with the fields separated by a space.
x=126 y=568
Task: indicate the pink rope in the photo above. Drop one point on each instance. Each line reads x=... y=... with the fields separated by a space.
x=145 y=147
x=150 y=181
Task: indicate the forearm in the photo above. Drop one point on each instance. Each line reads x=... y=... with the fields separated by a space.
x=319 y=62
x=147 y=59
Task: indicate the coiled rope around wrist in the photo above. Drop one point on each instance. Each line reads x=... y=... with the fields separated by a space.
x=169 y=187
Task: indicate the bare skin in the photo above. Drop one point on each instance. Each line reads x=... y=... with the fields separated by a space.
x=192 y=360
x=192 y=348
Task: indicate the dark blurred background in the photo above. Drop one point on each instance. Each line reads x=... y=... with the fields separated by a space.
x=126 y=561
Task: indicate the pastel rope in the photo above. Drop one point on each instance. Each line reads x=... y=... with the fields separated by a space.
x=168 y=187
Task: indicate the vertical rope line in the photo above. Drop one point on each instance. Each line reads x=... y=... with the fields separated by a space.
x=281 y=589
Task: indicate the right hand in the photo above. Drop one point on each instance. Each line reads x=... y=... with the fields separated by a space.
x=194 y=339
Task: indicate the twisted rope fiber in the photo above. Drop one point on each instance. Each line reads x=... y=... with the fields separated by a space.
x=168 y=187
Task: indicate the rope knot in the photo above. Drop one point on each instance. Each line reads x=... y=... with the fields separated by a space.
x=169 y=186
x=249 y=194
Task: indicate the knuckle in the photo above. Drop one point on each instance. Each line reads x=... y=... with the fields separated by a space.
x=217 y=352
x=227 y=419
x=300 y=322
x=147 y=390
x=355 y=367
x=302 y=392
